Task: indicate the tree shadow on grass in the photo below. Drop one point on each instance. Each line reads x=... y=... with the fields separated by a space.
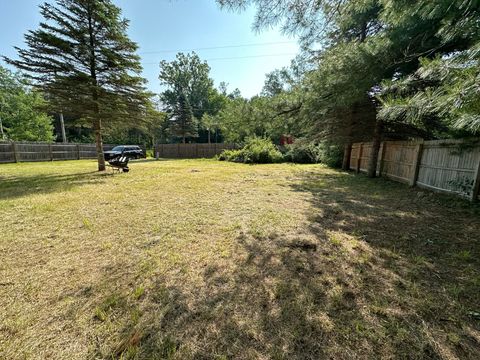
x=12 y=187
x=380 y=271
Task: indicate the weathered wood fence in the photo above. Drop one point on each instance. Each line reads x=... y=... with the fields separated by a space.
x=190 y=151
x=443 y=165
x=36 y=151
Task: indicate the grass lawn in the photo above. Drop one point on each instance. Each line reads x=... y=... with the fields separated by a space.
x=198 y=259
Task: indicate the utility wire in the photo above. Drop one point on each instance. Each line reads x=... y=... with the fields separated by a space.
x=217 y=47
x=232 y=58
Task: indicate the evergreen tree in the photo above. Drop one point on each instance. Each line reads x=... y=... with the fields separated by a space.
x=183 y=123
x=82 y=57
x=368 y=42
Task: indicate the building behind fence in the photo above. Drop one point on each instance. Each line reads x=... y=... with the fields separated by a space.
x=190 y=151
x=443 y=165
x=36 y=151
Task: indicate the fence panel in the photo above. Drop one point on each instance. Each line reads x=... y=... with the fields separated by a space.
x=6 y=152
x=64 y=152
x=446 y=166
x=35 y=151
x=399 y=160
x=354 y=156
x=190 y=151
x=443 y=165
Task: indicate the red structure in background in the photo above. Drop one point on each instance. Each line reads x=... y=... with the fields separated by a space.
x=286 y=139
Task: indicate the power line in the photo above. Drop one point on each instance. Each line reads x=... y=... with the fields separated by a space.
x=217 y=47
x=233 y=57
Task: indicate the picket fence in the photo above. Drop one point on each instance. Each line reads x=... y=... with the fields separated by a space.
x=451 y=166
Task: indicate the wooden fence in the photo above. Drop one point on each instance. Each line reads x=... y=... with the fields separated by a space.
x=36 y=151
x=443 y=165
x=190 y=151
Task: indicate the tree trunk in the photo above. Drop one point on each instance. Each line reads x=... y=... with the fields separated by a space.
x=208 y=136
x=183 y=139
x=97 y=127
x=97 y=123
x=62 y=125
x=377 y=140
x=347 y=153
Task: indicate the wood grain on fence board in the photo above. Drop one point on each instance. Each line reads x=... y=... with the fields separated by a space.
x=442 y=165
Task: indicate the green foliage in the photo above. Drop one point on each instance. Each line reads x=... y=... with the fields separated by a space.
x=82 y=58
x=183 y=124
x=187 y=75
x=261 y=116
x=256 y=151
x=231 y=155
x=21 y=111
x=365 y=46
x=444 y=90
x=304 y=151
x=330 y=154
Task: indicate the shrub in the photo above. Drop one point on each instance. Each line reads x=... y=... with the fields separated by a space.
x=231 y=155
x=330 y=154
x=255 y=151
x=304 y=151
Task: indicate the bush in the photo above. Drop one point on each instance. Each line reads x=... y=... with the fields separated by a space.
x=231 y=155
x=331 y=155
x=255 y=151
x=304 y=151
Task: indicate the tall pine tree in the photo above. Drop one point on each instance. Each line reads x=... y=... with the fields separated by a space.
x=82 y=57
x=183 y=123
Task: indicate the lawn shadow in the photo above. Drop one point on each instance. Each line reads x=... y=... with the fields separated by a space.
x=380 y=271
x=12 y=187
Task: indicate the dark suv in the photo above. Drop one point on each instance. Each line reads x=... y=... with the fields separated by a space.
x=132 y=151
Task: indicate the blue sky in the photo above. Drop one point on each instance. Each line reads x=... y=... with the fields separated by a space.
x=161 y=27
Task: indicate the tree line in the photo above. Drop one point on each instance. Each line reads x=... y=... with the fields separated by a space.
x=377 y=69
x=368 y=70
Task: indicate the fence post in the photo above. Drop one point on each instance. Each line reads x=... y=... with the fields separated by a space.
x=382 y=158
x=416 y=163
x=476 y=183
x=14 y=151
x=50 y=151
x=359 y=157
x=78 y=151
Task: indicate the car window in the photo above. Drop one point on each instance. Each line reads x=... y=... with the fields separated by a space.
x=118 y=148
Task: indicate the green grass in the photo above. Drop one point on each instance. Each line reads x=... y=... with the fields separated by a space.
x=198 y=259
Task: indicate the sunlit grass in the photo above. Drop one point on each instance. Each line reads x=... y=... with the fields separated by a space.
x=196 y=259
